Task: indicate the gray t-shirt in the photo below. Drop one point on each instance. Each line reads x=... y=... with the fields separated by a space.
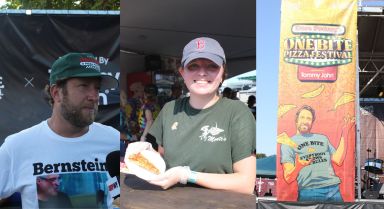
x=208 y=140
x=320 y=172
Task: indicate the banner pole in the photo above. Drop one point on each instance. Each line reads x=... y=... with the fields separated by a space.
x=357 y=110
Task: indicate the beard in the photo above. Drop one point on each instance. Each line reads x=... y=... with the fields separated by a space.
x=74 y=114
x=53 y=191
x=304 y=129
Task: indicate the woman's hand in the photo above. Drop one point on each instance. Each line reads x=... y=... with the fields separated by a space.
x=172 y=176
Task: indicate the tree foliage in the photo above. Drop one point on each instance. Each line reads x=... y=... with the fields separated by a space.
x=63 y=4
x=260 y=155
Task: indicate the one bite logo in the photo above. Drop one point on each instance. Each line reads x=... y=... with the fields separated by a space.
x=318 y=46
x=318 y=50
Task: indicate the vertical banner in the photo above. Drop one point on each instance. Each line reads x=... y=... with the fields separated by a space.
x=316 y=112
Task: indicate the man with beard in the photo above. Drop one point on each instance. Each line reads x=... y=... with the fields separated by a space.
x=67 y=142
x=310 y=161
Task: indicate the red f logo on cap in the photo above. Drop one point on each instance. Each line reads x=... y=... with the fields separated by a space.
x=200 y=44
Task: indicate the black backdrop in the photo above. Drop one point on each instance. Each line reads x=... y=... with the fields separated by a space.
x=29 y=44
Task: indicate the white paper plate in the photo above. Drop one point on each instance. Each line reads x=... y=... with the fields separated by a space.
x=124 y=169
x=142 y=173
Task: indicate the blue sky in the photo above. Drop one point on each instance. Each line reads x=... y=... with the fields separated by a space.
x=267 y=67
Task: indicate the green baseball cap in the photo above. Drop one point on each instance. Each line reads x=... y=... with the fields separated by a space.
x=74 y=65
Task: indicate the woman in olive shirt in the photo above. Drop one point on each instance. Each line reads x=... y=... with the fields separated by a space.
x=206 y=139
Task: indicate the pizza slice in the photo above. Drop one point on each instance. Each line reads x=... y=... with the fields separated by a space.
x=143 y=162
x=283 y=138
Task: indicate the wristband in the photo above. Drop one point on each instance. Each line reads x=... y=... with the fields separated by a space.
x=184 y=176
x=192 y=177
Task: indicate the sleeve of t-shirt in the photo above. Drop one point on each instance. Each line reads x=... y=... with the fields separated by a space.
x=287 y=154
x=6 y=173
x=156 y=129
x=243 y=133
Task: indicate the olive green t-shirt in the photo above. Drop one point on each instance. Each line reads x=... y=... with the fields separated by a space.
x=208 y=140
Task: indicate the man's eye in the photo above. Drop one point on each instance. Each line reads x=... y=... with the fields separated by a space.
x=83 y=85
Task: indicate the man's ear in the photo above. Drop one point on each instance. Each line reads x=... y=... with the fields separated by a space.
x=55 y=93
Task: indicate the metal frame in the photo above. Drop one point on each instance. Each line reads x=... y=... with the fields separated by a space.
x=357 y=116
x=371 y=8
x=374 y=58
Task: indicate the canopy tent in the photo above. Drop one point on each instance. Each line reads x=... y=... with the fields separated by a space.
x=251 y=78
x=266 y=167
x=164 y=27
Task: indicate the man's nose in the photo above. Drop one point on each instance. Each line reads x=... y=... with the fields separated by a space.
x=93 y=93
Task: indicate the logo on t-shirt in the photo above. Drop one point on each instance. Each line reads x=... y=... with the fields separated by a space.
x=212 y=134
x=174 y=126
x=73 y=190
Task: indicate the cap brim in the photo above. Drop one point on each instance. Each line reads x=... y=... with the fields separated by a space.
x=213 y=57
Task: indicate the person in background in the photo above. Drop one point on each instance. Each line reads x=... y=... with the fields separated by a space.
x=177 y=90
x=205 y=139
x=227 y=92
x=149 y=110
x=251 y=104
x=234 y=95
x=132 y=110
x=123 y=124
